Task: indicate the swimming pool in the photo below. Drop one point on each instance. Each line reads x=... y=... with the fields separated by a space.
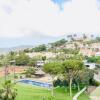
x=36 y=83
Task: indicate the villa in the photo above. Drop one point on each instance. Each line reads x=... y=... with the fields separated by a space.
x=41 y=54
x=40 y=63
x=97 y=54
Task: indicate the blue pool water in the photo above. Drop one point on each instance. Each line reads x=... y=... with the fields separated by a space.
x=36 y=83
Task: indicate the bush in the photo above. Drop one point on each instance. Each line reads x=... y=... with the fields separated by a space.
x=16 y=77
x=95 y=83
x=28 y=75
x=21 y=77
x=60 y=83
x=22 y=59
x=30 y=71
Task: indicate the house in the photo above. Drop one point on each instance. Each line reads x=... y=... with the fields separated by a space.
x=90 y=65
x=40 y=73
x=40 y=63
x=97 y=54
x=87 y=52
x=95 y=47
x=41 y=54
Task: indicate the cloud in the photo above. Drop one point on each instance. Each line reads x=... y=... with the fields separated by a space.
x=45 y=17
x=60 y=3
x=7 y=9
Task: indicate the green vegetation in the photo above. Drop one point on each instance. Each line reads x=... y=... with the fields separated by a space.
x=53 y=69
x=8 y=92
x=70 y=69
x=85 y=77
x=29 y=72
x=98 y=39
x=93 y=59
x=40 y=48
x=70 y=51
x=22 y=59
x=26 y=92
x=83 y=96
x=29 y=92
x=58 y=43
x=66 y=66
x=11 y=56
x=32 y=62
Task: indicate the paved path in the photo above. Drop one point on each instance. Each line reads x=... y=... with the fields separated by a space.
x=97 y=77
x=79 y=93
x=95 y=95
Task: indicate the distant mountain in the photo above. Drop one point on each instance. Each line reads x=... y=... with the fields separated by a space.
x=34 y=39
x=21 y=47
x=17 y=48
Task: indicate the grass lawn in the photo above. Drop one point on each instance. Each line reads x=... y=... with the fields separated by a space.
x=28 y=92
x=84 y=96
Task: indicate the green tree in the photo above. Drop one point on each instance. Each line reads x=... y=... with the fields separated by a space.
x=22 y=59
x=58 y=43
x=53 y=69
x=11 y=56
x=27 y=50
x=29 y=72
x=76 y=46
x=85 y=76
x=32 y=62
x=8 y=92
x=70 y=69
x=97 y=39
x=61 y=56
x=44 y=58
x=84 y=36
x=1 y=60
x=40 y=48
x=70 y=51
x=93 y=59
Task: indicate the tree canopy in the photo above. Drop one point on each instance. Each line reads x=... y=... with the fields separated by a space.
x=40 y=48
x=52 y=68
x=58 y=43
x=22 y=59
x=70 y=69
x=93 y=59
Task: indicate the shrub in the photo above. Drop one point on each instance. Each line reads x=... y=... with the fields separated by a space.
x=16 y=77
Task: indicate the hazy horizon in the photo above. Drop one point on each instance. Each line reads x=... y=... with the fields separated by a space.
x=35 y=40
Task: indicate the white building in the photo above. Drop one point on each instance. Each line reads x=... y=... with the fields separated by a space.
x=90 y=65
x=97 y=54
x=40 y=63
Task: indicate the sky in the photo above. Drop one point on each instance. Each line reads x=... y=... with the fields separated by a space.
x=32 y=21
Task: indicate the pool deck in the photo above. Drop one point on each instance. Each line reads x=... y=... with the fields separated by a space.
x=46 y=79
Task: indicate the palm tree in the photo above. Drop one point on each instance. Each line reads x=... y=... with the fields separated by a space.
x=84 y=37
x=92 y=36
x=8 y=92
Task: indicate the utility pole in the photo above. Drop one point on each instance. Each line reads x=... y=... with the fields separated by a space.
x=6 y=71
x=13 y=63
